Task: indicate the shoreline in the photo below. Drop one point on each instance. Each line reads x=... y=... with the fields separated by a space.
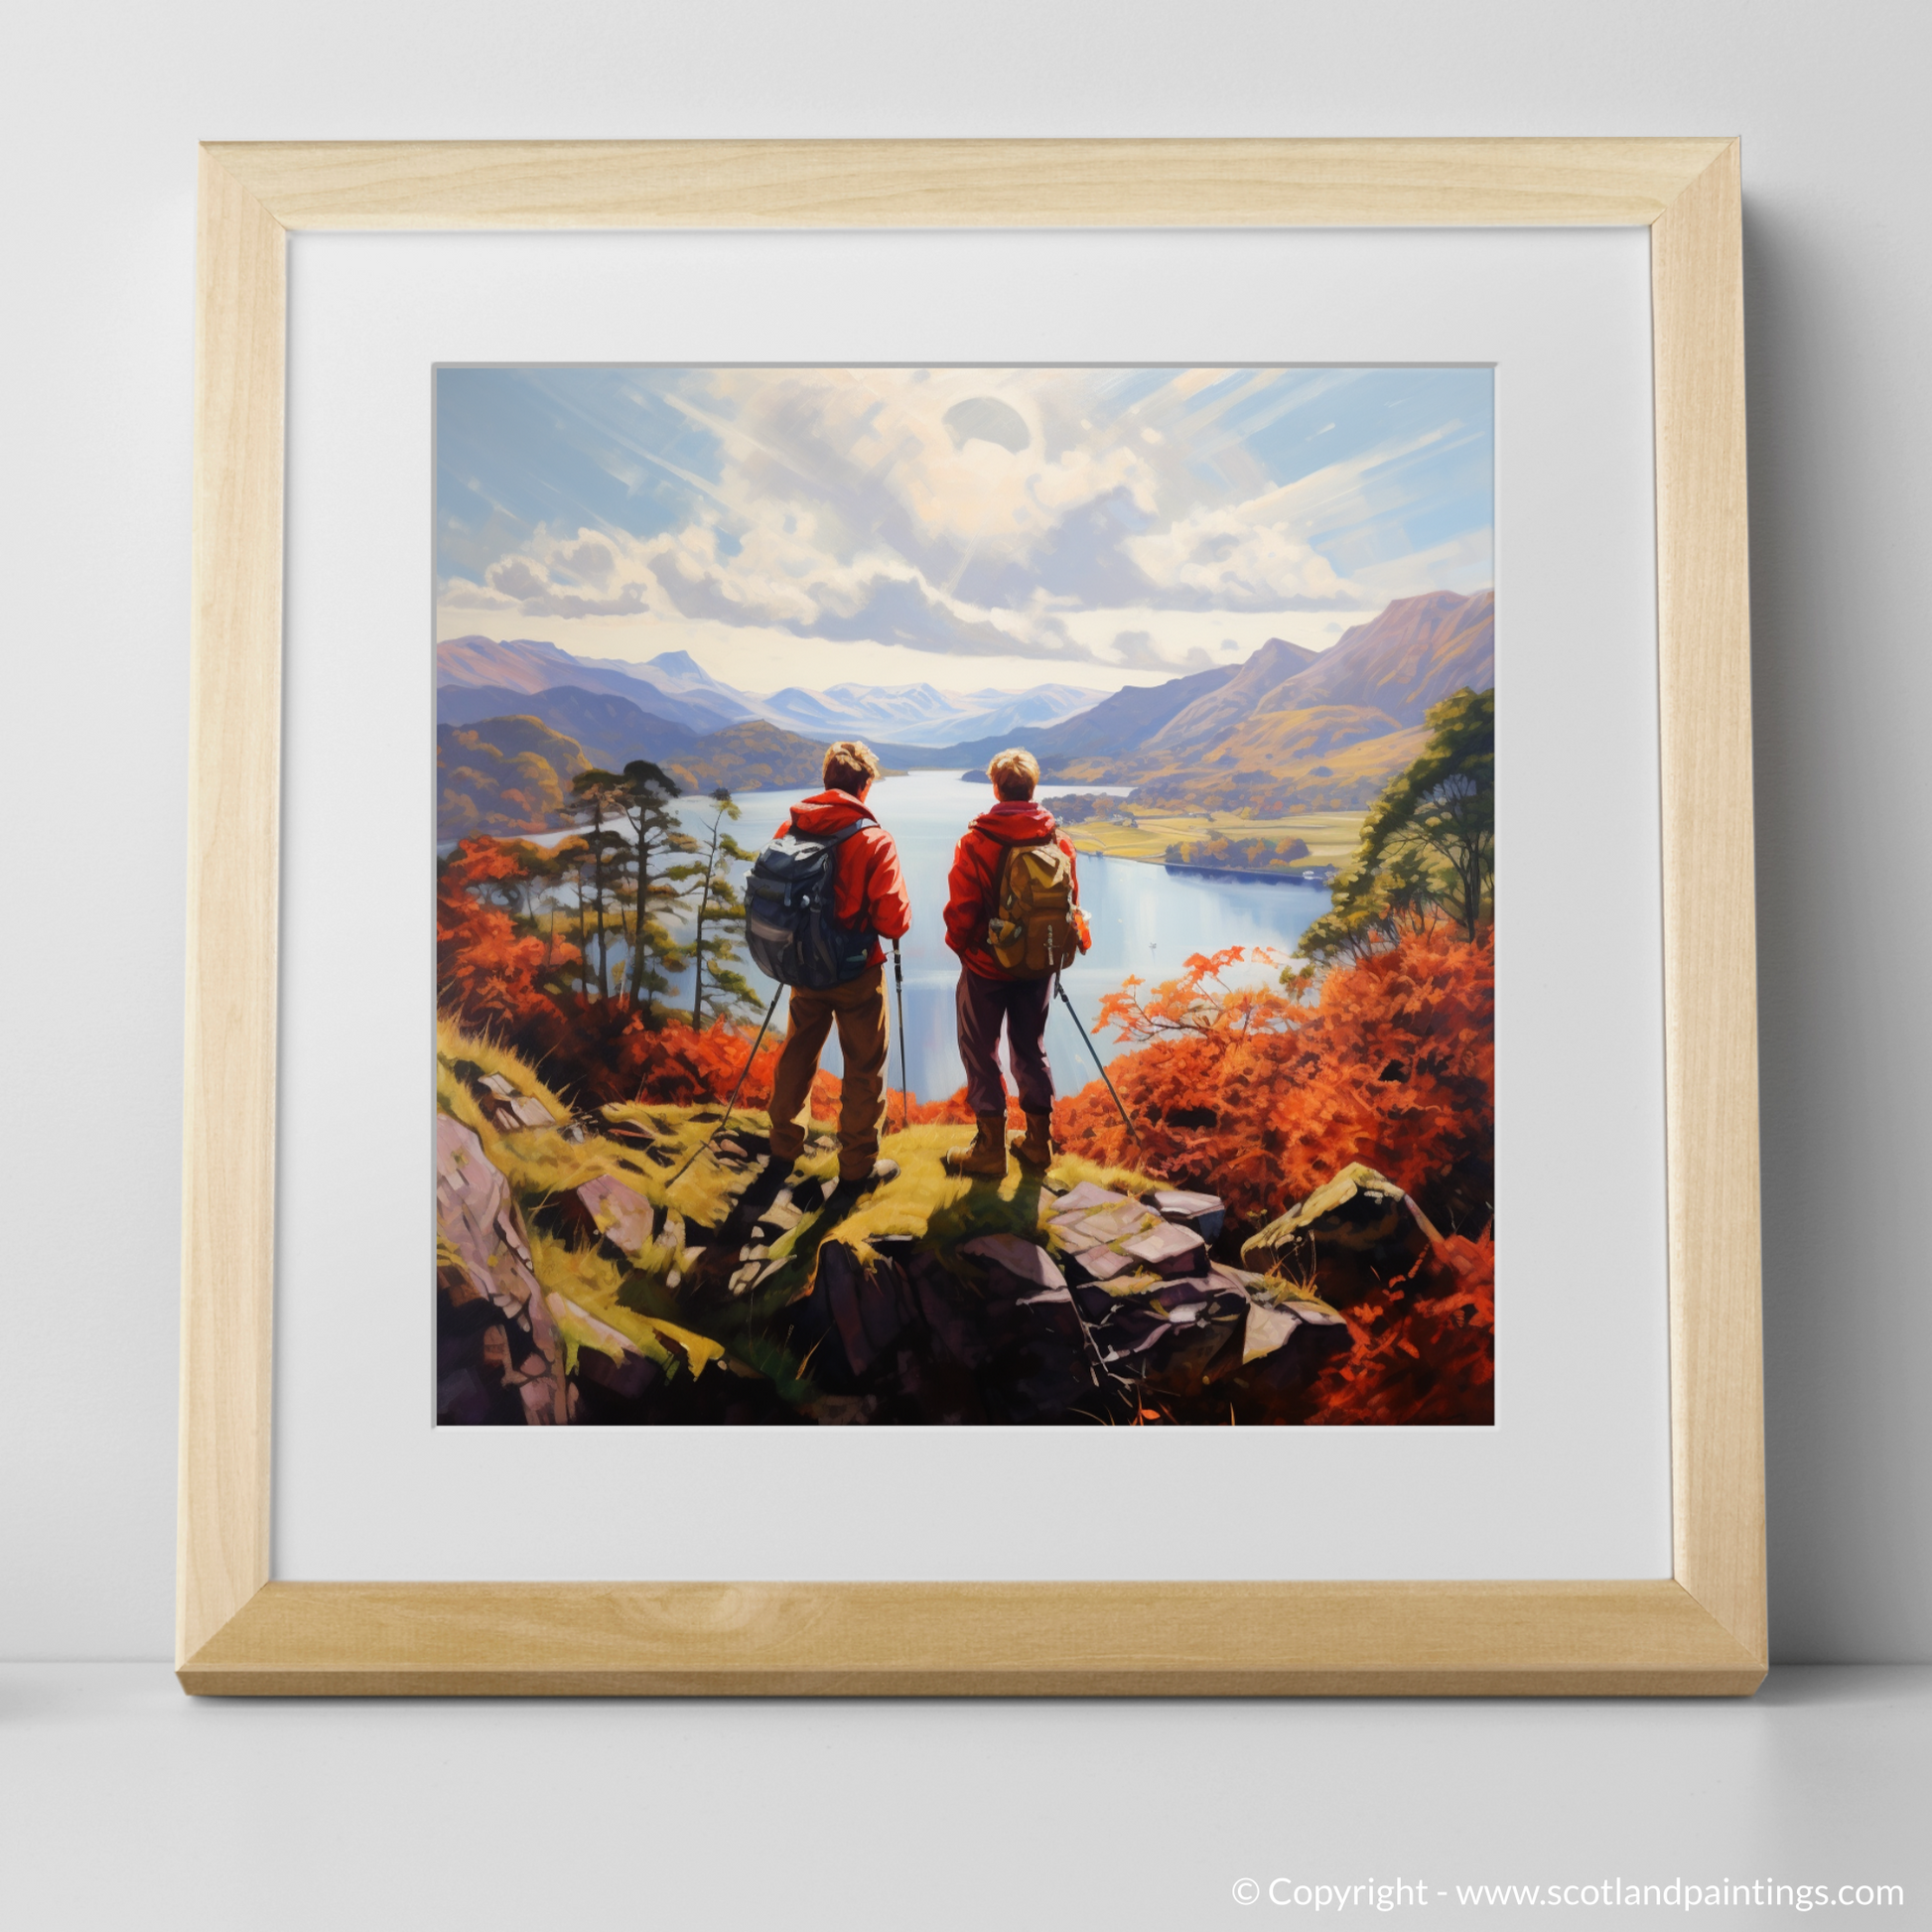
x=1320 y=876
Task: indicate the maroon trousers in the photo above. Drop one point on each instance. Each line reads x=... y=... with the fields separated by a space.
x=1019 y=1006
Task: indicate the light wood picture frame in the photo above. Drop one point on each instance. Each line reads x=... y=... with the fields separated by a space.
x=1701 y=1631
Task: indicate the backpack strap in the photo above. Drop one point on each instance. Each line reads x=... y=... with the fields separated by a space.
x=828 y=838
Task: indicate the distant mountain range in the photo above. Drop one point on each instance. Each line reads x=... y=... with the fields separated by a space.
x=919 y=714
x=1289 y=730
x=610 y=729
x=1215 y=712
x=674 y=687
x=1302 y=730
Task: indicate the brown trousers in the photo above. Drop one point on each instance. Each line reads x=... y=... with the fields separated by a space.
x=859 y=1008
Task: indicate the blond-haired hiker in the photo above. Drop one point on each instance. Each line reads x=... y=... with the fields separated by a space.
x=1011 y=917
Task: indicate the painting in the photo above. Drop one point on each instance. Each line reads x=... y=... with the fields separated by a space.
x=964 y=896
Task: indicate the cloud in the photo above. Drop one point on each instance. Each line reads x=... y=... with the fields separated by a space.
x=1135 y=650
x=590 y=559
x=904 y=611
x=1241 y=557
x=516 y=579
x=771 y=579
x=960 y=511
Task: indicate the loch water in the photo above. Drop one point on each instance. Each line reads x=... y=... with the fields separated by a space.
x=1146 y=921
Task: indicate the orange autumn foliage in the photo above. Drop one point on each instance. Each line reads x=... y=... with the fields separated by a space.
x=1424 y=1348
x=679 y=1065
x=487 y=973
x=515 y=988
x=1260 y=1097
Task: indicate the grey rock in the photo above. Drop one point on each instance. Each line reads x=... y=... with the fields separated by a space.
x=1111 y=1224
x=1169 y=1250
x=1312 y=1314
x=1206 y=1215
x=476 y=1217
x=628 y=1375
x=1102 y=1264
x=1267 y=1329
x=1355 y=1233
x=522 y=1110
x=865 y=1304
x=623 y=1215
x=1025 y=1260
x=1086 y=1197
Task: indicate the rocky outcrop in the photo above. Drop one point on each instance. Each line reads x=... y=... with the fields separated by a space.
x=1355 y=1233
x=495 y=1336
x=1092 y=1304
x=1113 y=1310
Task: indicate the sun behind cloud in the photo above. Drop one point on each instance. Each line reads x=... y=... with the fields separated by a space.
x=1114 y=523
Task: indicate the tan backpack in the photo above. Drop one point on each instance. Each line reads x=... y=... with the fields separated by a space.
x=1032 y=933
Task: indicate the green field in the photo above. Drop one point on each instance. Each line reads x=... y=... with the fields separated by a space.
x=1331 y=837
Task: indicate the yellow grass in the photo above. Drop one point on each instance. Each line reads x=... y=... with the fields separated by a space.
x=640 y=1301
x=453 y=1045
x=591 y=1282
x=928 y=1201
x=705 y=1191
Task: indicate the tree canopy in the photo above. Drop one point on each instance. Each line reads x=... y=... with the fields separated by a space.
x=1429 y=846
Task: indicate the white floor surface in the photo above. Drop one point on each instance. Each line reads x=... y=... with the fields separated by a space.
x=125 y=1804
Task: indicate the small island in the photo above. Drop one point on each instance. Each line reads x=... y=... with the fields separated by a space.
x=1307 y=849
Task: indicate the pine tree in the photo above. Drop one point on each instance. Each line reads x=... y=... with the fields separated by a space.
x=656 y=836
x=718 y=914
x=596 y=800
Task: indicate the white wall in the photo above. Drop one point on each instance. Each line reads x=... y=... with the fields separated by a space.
x=102 y=107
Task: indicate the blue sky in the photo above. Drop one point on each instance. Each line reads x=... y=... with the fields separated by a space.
x=963 y=527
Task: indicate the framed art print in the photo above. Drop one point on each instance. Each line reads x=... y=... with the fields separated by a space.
x=986 y=879
x=818 y=569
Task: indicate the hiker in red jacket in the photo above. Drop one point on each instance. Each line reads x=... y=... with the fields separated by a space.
x=1013 y=995
x=871 y=896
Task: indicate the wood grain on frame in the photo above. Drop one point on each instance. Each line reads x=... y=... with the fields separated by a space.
x=964 y=184
x=234 y=763
x=1709 y=925
x=1204 y=1639
x=1702 y=1633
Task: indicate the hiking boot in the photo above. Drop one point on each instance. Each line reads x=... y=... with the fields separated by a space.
x=987 y=1156
x=881 y=1172
x=1035 y=1152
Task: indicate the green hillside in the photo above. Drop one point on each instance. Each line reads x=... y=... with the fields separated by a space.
x=504 y=775
x=751 y=756
x=510 y=775
x=1330 y=757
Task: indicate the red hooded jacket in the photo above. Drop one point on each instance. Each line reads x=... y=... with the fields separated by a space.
x=871 y=887
x=976 y=873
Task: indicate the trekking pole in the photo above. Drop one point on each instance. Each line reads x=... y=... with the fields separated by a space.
x=1095 y=1051
x=735 y=1091
x=905 y=1088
